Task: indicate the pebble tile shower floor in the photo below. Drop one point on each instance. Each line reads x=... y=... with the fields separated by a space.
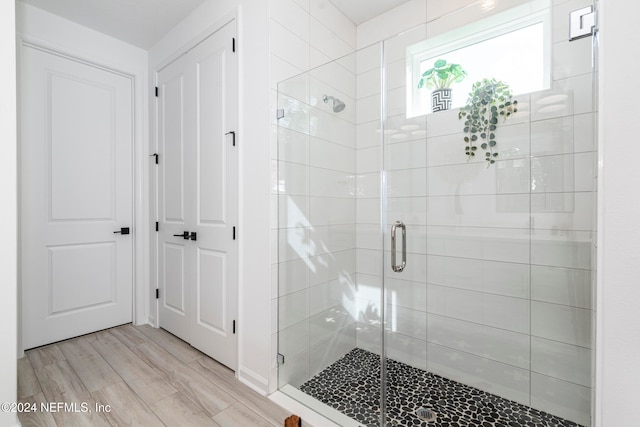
x=352 y=386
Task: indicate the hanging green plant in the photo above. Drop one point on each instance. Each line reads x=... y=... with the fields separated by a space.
x=488 y=100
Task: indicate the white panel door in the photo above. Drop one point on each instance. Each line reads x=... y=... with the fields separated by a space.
x=176 y=127
x=76 y=190
x=215 y=293
x=198 y=195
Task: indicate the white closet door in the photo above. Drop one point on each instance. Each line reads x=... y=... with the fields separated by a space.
x=198 y=185
x=176 y=127
x=216 y=167
x=76 y=190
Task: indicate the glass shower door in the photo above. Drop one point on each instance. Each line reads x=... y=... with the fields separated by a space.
x=323 y=310
x=488 y=201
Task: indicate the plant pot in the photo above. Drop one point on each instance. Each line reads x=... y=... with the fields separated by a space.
x=440 y=100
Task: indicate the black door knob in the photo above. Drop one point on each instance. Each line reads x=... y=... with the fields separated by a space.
x=184 y=235
x=123 y=230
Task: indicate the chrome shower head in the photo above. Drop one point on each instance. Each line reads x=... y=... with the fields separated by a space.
x=337 y=104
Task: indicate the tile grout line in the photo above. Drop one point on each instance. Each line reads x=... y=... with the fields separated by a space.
x=242 y=405
x=125 y=381
x=187 y=366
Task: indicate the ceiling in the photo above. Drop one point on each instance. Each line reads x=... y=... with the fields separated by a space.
x=359 y=11
x=138 y=22
x=142 y=23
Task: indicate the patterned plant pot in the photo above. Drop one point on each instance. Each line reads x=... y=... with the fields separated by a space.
x=440 y=100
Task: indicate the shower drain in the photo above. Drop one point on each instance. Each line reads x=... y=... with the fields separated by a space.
x=426 y=414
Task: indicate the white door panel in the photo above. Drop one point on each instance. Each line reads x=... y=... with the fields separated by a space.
x=175 y=298
x=211 y=280
x=202 y=115
x=76 y=190
x=81 y=122
x=216 y=299
x=175 y=125
x=174 y=303
x=212 y=149
x=172 y=143
x=81 y=276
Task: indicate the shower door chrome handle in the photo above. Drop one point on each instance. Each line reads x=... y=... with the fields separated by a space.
x=398 y=268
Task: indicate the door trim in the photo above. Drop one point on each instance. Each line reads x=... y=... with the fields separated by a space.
x=140 y=191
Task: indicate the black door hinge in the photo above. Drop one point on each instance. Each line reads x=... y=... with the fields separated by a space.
x=157 y=226
x=156 y=155
x=234 y=233
x=158 y=293
x=156 y=91
x=234 y=327
x=233 y=44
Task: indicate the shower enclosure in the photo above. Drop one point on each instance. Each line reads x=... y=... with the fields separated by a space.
x=419 y=283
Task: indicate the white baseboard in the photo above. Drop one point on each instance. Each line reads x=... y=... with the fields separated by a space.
x=256 y=382
x=310 y=410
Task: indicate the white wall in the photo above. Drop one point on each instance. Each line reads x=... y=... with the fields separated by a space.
x=48 y=30
x=392 y=22
x=8 y=201
x=253 y=144
x=255 y=256
x=56 y=32
x=618 y=325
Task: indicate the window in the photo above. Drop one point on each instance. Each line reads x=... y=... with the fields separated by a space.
x=512 y=46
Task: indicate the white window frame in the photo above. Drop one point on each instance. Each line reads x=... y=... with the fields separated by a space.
x=485 y=29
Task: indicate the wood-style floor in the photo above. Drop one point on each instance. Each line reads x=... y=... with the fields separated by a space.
x=147 y=376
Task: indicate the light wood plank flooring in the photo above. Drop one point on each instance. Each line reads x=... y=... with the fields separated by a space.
x=147 y=376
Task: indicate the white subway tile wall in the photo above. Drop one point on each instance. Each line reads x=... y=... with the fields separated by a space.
x=497 y=292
